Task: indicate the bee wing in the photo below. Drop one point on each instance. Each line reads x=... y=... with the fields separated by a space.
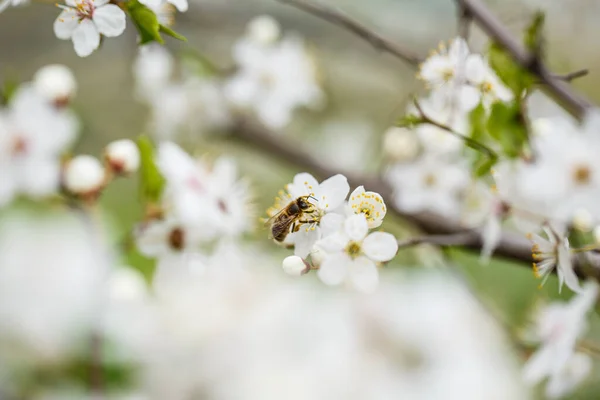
x=270 y=221
x=282 y=227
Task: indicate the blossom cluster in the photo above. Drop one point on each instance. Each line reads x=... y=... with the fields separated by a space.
x=202 y=205
x=273 y=75
x=551 y=181
x=333 y=232
x=68 y=308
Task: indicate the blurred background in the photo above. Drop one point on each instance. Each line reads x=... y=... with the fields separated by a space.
x=367 y=91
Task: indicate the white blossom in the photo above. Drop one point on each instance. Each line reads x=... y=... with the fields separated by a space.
x=294 y=266
x=181 y=5
x=428 y=184
x=84 y=175
x=51 y=280
x=56 y=83
x=4 y=4
x=558 y=327
x=264 y=29
x=123 y=156
x=33 y=136
x=352 y=254
x=83 y=21
x=273 y=80
x=400 y=144
x=552 y=253
x=370 y=204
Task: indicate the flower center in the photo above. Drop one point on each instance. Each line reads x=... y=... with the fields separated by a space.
x=177 y=239
x=429 y=180
x=353 y=249
x=447 y=74
x=582 y=175
x=486 y=87
x=85 y=9
x=19 y=146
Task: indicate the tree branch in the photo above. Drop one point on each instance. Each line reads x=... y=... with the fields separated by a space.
x=336 y=17
x=558 y=90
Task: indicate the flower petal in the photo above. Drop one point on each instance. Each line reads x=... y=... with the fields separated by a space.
x=356 y=227
x=333 y=192
x=364 y=275
x=65 y=24
x=86 y=38
x=334 y=269
x=110 y=20
x=380 y=246
x=304 y=184
x=331 y=223
x=304 y=241
x=180 y=5
x=565 y=270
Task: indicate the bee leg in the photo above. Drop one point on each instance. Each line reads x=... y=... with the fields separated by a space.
x=295 y=228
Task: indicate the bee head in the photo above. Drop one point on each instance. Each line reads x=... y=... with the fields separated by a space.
x=304 y=204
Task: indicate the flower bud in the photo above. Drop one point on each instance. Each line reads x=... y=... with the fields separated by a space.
x=56 y=83
x=400 y=144
x=122 y=156
x=264 y=29
x=295 y=266
x=583 y=220
x=83 y=176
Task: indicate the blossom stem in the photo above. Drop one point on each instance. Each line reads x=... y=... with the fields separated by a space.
x=474 y=144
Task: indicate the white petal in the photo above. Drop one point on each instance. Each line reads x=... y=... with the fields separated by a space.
x=304 y=241
x=86 y=38
x=492 y=233
x=380 y=246
x=65 y=24
x=357 y=192
x=333 y=192
x=334 y=243
x=572 y=374
x=40 y=178
x=181 y=5
x=100 y=3
x=151 y=240
x=331 y=223
x=364 y=275
x=334 y=269
x=303 y=185
x=356 y=227
x=565 y=270
x=110 y=20
x=538 y=365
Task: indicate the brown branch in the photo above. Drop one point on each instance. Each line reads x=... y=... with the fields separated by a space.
x=336 y=17
x=492 y=26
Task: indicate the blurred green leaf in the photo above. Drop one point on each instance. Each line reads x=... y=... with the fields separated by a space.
x=533 y=38
x=170 y=32
x=145 y=21
x=9 y=87
x=507 y=126
x=152 y=182
x=517 y=79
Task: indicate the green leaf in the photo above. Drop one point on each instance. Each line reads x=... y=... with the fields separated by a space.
x=517 y=79
x=507 y=126
x=170 y=32
x=483 y=165
x=9 y=88
x=477 y=120
x=145 y=21
x=152 y=182
x=533 y=38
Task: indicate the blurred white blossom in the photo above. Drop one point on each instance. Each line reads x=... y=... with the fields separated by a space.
x=273 y=78
x=558 y=327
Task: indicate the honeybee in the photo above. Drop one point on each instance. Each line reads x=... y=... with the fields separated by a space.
x=291 y=217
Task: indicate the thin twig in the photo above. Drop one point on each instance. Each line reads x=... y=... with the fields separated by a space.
x=336 y=17
x=464 y=23
x=557 y=89
x=474 y=144
x=572 y=75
